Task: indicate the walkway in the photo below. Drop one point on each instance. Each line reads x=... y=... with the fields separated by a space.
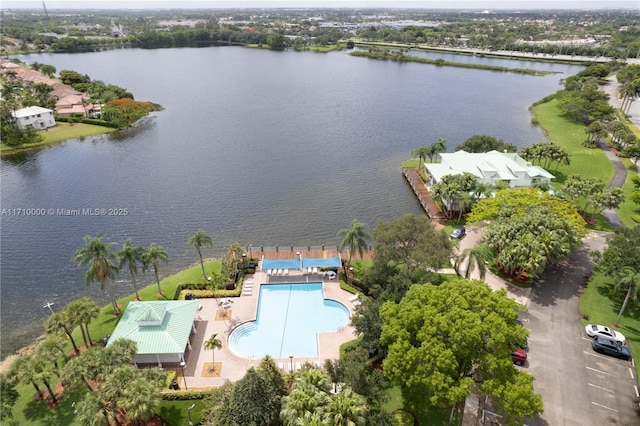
x=620 y=172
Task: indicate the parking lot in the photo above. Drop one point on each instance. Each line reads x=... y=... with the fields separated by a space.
x=612 y=387
x=578 y=385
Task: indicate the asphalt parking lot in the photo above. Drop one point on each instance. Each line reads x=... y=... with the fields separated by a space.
x=612 y=387
x=578 y=385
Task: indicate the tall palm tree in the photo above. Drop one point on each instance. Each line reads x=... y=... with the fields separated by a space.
x=476 y=256
x=48 y=352
x=197 y=240
x=130 y=256
x=23 y=370
x=99 y=258
x=151 y=257
x=59 y=321
x=88 y=310
x=213 y=343
x=355 y=237
x=629 y=279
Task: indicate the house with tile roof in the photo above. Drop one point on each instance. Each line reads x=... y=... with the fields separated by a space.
x=161 y=329
x=488 y=168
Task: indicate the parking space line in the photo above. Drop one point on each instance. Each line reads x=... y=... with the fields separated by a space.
x=599 y=371
x=587 y=338
x=631 y=373
x=604 y=406
x=595 y=354
x=600 y=387
x=636 y=389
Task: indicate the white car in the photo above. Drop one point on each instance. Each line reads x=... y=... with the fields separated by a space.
x=594 y=330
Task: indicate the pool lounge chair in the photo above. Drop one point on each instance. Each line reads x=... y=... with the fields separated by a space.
x=269 y=271
x=281 y=366
x=353 y=298
x=286 y=272
x=315 y=270
x=298 y=366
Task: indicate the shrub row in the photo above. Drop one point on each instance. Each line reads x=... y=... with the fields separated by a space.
x=93 y=121
x=185 y=395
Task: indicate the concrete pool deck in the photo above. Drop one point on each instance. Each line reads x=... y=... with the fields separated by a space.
x=242 y=309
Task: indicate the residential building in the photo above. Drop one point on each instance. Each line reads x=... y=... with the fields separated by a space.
x=34 y=116
x=489 y=168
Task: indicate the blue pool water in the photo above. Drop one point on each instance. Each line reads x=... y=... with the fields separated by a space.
x=289 y=318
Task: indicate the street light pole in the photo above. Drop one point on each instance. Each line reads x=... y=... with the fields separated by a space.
x=184 y=379
x=291 y=362
x=189 y=408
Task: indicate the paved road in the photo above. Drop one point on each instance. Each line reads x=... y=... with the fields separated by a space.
x=576 y=388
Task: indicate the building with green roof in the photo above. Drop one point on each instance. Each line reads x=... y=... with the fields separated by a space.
x=161 y=329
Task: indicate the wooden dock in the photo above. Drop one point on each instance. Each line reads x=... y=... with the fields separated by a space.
x=431 y=208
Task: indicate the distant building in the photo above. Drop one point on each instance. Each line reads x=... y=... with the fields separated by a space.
x=34 y=116
x=489 y=168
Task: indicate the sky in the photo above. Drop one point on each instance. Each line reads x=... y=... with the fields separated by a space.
x=427 y=4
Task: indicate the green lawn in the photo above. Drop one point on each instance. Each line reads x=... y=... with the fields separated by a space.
x=570 y=135
x=600 y=304
x=60 y=133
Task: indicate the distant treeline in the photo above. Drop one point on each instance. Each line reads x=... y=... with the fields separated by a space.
x=152 y=39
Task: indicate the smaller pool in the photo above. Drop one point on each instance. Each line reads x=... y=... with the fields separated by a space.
x=289 y=318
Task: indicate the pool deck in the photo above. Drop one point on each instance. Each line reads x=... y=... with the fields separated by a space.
x=230 y=367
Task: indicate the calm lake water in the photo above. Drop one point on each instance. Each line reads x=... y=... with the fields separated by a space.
x=265 y=148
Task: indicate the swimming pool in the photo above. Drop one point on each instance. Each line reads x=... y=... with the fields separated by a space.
x=287 y=323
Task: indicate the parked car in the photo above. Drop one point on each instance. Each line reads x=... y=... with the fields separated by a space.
x=519 y=356
x=606 y=346
x=593 y=330
x=458 y=232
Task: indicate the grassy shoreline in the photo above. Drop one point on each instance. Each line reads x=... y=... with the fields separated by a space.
x=55 y=135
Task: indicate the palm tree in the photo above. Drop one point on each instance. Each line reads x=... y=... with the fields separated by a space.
x=422 y=153
x=345 y=409
x=140 y=400
x=59 y=321
x=23 y=370
x=151 y=257
x=88 y=310
x=98 y=256
x=629 y=278
x=213 y=343
x=49 y=351
x=355 y=237
x=131 y=255
x=197 y=240
x=475 y=256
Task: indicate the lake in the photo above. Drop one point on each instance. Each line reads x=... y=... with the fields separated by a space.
x=260 y=147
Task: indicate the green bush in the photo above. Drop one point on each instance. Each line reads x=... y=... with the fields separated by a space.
x=181 y=395
x=171 y=376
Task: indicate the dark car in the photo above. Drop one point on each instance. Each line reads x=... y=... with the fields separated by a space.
x=607 y=346
x=458 y=232
x=519 y=356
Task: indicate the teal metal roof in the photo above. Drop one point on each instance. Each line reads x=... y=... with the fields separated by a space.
x=159 y=327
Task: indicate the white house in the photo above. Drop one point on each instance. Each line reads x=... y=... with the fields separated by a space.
x=489 y=168
x=34 y=116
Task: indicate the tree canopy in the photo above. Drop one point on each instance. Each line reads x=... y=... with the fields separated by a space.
x=444 y=339
x=485 y=143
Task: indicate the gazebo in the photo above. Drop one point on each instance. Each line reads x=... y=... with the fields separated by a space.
x=161 y=329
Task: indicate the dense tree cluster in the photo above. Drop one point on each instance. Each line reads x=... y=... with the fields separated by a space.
x=445 y=342
x=546 y=154
x=528 y=229
x=485 y=143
